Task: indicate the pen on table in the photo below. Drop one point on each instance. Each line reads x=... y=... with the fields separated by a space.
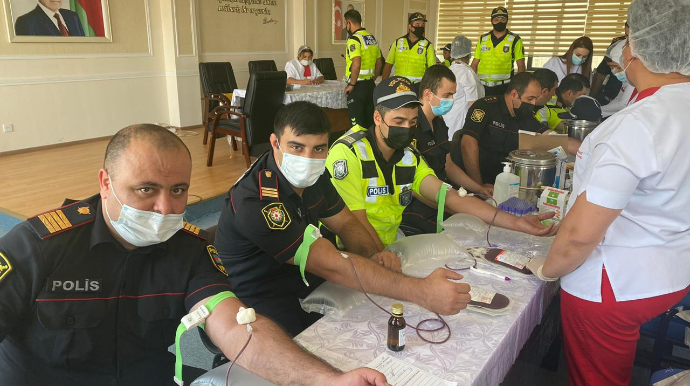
x=483 y=272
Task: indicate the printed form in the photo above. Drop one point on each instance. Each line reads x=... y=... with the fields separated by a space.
x=400 y=373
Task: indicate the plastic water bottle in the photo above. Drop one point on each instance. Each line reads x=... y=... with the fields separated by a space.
x=507 y=185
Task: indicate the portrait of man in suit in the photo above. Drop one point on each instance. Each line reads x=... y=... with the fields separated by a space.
x=49 y=19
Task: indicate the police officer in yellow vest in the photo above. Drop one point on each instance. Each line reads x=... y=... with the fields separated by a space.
x=447 y=60
x=376 y=171
x=363 y=65
x=411 y=54
x=495 y=54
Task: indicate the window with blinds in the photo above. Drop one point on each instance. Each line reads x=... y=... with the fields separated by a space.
x=547 y=27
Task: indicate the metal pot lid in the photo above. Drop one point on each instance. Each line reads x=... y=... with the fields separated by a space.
x=532 y=157
x=580 y=123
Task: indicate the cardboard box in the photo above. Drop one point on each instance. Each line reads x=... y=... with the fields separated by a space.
x=554 y=200
x=534 y=141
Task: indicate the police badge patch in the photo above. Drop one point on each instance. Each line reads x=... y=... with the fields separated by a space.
x=478 y=115
x=215 y=259
x=405 y=196
x=276 y=216
x=340 y=169
x=5 y=266
x=506 y=49
x=420 y=50
x=352 y=48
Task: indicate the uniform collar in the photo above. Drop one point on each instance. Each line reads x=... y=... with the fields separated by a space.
x=397 y=154
x=101 y=234
x=423 y=124
x=503 y=108
x=409 y=43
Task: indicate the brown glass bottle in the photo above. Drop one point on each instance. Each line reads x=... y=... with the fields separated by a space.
x=396 y=329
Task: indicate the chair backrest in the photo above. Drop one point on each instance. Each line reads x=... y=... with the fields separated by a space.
x=261 y=65
x=217 y=77
x=265 y=94
x=327 y=68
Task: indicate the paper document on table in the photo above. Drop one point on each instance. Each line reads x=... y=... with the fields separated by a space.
x=400 y=373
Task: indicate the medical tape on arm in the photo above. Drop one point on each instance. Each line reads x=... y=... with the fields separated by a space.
x=441 y=203
x=195 y=318
x=311 y=234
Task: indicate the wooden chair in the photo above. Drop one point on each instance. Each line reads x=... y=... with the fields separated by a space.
x=254 y=123
x=217 y=79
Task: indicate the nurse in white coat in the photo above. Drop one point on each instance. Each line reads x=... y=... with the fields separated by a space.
x=578 y=59
x=302 y=70
x=623 y=250
x=469 y=88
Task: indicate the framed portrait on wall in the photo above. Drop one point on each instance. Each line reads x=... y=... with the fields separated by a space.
x=340 y=7
x=58 y=21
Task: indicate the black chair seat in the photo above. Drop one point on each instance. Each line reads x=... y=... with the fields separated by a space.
x=227 y=124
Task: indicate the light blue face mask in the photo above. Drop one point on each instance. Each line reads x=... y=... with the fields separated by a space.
x=444 y=107
x=577 y=61
x=621 y=76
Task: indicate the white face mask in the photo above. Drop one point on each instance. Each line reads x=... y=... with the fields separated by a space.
x=142 y=228
x=305 y=62
x=301 y=172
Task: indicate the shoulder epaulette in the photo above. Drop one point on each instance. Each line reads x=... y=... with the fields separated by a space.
x=350 y=139
x=56 y=221
x=268 y=185
x=194 y=230
x=484 y=35
x=491 y=99
x=514 y=34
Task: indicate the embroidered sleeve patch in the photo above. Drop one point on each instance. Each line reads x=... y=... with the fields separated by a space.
x=478 y=115
x=340 y=169
x=5 y=266
x=352 y=48
x=277 y=218
x=215 y=259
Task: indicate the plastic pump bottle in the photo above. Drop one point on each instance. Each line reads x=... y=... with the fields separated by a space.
x=507 y=185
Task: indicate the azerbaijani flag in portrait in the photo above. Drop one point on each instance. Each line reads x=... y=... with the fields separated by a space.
x=91 y=15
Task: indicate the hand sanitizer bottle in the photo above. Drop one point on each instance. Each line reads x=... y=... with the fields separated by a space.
x=507 y=185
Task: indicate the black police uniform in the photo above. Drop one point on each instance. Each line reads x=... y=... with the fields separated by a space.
x=490 y=122
x=77 y=308
x=261 y=228
x=433 y=145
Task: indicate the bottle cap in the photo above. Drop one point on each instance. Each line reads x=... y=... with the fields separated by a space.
x=508 y=167
x=397 y=309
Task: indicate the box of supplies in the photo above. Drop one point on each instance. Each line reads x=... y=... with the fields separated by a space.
x=544 y=142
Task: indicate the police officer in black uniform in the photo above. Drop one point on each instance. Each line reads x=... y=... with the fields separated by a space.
x=268 y=211
x=491 y=129
x=436 y=92
x=92 y=293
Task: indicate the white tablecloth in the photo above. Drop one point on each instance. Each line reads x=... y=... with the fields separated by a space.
x=330 y=94
x=482 y=348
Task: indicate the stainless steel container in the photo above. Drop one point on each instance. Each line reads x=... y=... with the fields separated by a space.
x=579 y=129
x=535 y=169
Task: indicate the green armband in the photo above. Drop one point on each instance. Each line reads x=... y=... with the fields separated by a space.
x=191 y=320
x=311 y=234
x=441 y=201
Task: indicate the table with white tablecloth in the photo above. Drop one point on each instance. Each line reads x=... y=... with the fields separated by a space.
x=482 y=348
x=330 y=94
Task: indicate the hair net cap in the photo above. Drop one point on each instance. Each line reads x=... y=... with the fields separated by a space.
x=654 y=35
x=616 y=52
x=460 y=47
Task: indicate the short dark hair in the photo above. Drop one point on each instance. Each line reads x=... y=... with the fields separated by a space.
x=354 y=16
x=160 y=138
x=383 y=110
x=573 y=82
x=433 y=77
x=520 y=82
x=546 y=78
x=303 y=118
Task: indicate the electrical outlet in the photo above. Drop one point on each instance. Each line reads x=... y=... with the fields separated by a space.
x=7 y=128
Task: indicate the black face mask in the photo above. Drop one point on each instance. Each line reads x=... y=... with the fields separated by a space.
x=525 y=109
x=500 y=27
x=418 y=32
x=398 y=137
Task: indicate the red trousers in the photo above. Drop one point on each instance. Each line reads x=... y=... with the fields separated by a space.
x=600 y=339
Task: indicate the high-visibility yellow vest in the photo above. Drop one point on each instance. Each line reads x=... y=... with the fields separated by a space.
x=496 y=63
x=411 y=62
x=362 y=44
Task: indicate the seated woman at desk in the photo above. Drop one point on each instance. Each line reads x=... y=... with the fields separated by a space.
x=302 y=70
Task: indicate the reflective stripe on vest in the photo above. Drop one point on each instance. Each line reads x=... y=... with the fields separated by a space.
x=496 y=62
x=411 y=63
x=370 y=53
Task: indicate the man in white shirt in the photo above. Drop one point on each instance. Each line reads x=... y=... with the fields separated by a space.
x=469 y=88
x=302 y=70
x=622 y=250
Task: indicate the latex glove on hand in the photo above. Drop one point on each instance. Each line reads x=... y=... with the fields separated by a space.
x=535 y=265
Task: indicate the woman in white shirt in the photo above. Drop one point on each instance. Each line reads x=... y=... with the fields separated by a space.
x=578 y=59
x=469 y=88
x=302 y=70
x=623 y=249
